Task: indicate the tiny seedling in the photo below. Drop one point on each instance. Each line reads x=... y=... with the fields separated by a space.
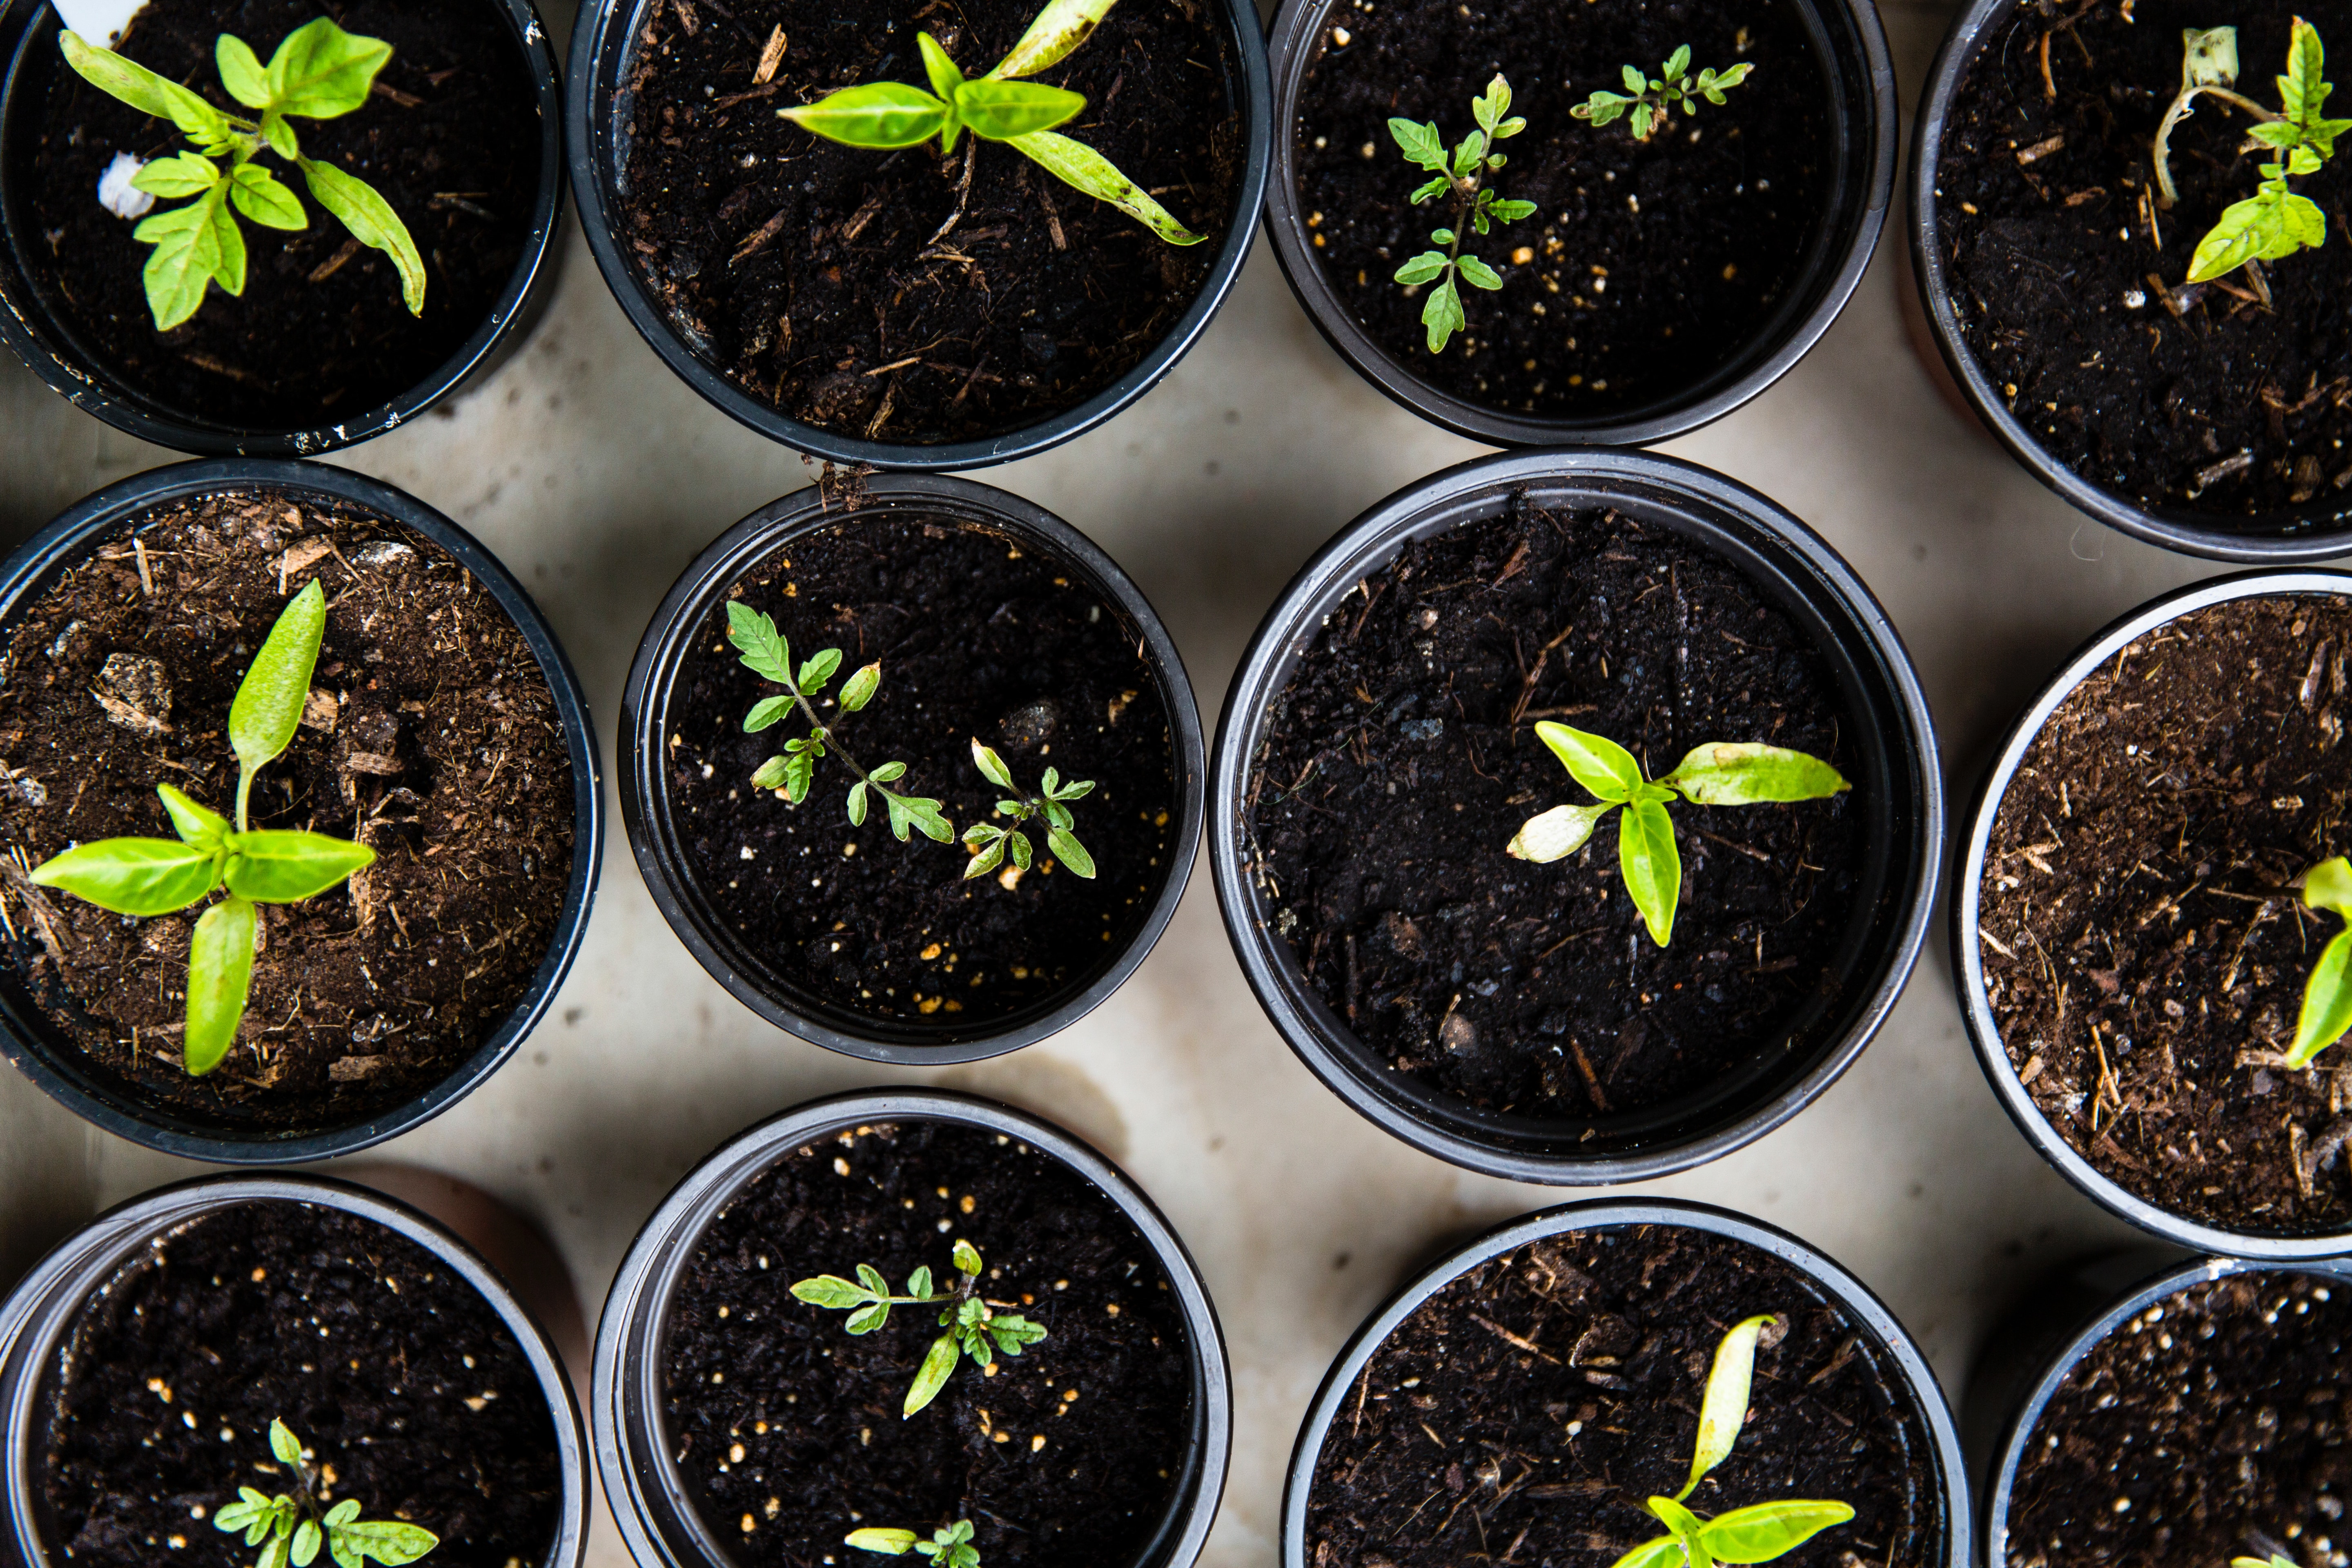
x=1460 y=174
x=1654 y=99
x=1721 y=772
x=974 y=1327
x=2327 y=994
x=766 y=652
x=1758 y=1533
x=950 y=1547
x=2274 y=222
x=994 y=108
x=991 y=844
x=147 y=877
x=292 y=1527
x=320 y=72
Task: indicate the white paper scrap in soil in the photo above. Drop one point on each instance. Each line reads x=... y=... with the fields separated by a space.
x=98 y=21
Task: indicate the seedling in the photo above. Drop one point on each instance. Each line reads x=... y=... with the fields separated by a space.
x=1721 y=772
x=990 y=843
x=994 y=108
x=320 y=72
x=1758 y=1533
x=292 y=1527
x=768 y=653
x=148 y=876
x=1654 y=99
x=950 y=1547
x=1462 y=175
x=974 y=1327
x=2274 y=222
x=2327 y=994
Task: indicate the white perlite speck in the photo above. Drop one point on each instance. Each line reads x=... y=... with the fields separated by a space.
x=116 y=193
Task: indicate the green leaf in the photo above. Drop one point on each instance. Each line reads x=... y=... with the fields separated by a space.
x=2326 y=1003
x=1512 y=211
x=280 y=136
x=857 y=803
x=818 y=670
x=1686 y=1527
x=342 y=1512
x=1466 y=154
x=859 y=688
x=1725 y=772
x=1663 y=1551
x=766 y=713
x=932 y=1375
x=1075 y=790
x=2271 y=224
x=320 y=71
x=1602 y=108
x=1599 y=764
x=919 y=1284
x=1000 y=110
x=946 y=77
x=2301 y=90
x=1651 y=866
x=1432 y=189
x=1478 y=274
x=1060 y=29
x=1420 y=143
x=1442 y=315
x=220 y=972
x=283 y=1445
x=250 y=1508
x=2328 y=886
x=1070 y=852
x=181 y=174
x=829 y=1290
x=1443 y=236
x=1556 y=834
x=1059 y=815
x=1768 y=1530
x=241 y=73
x=1018 y=843
x=764 y=651
x=889 y=1542
x=133 y=876
x=1645 y=119
x=372 y=222
x=142 y=90
x=918 y=812
x=1677 y=63
x=888 y=773
x=871 y=1277
x=388 y=1542
x=869 y=1318
x=880 y=114
x=1489 y=106
x=197 y=824
x=195 y=245
x=1082 y=168
x=285 y=867
x=770 y=775
x=991 y=766
x=987 y=860
x=966 y=1257
x=273 y=1553
x=307 y=1536
x=268 y=708
x=1011 y=1332
x=1724 y=1410
x=799 y=773
x=262 y=196
x=1635 y=82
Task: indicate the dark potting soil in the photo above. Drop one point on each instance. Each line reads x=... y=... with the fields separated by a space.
x=1560 y=1385
x=978 y=636
x=2145 y=949
x=1402 y=758
x=1645 y=267
x=411 y=1395
x=431 y=736
x=880 y=295
x=451 y=138
x=2210 y=1425
x=787 y=1429
x=2212 y=403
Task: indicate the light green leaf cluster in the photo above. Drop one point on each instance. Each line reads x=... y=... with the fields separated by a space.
x=320 y=72
x=974 y=1328
x=1652 y=99
x=291 y=1528
x=1461 y=173
x=948 y=1548
x=2327 y=994
x=1758 y=1533
x=995 y=108
x=990 y=844
x=1721 y=772
x=147 y=877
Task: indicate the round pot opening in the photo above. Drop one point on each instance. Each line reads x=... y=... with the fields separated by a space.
x=2121 y=424
x=245 y=522
x=659 y=1308
x=1861 y=956
x=1554 y=292
x=946 y=979
x=923 y=399
x=1567 y=1346
x=2240 y=1162
x=195 y=390
x=76 y=1366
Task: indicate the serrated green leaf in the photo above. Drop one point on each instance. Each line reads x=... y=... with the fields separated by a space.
x=181 y=174
x=389 y=1542
x=879 y=115
x=1441 y=314
x=1768 y=1530
x=859 y=688
x=1723 y=772
x=990 y=765
x=262 y=196
x=268 y=708
x=1724 y=1409
x=372 y=222
x=1512 y=211
x=1603 y=766
x=829 y=1290
x=1000 y=110
x=195 y=245
x=932 y=1375
x=1652 y=868
x=920 y=812
x=763 y=650
x=889 y=1542
x=1082 y=168
x=1420 y=143
x=140 y=877
x=1556 y=834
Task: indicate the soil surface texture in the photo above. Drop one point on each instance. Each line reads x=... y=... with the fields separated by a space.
x=450 y=137
x=431 y=736
x=789 y=1429
x=978 y=636
x=1645 y=267
x=1562 y=1382
x=2144 y=946
x=899 y=296
x=2163 y=393
x=409 y=1393
x=2210 y=1425
x=1403 y=757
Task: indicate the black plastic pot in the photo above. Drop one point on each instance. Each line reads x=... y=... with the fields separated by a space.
x=1900 y=788
x=44 y=338
x=2320 y=528
x=1851 y=47
x=603 y=58
x=1968 y=892
x=42 y=1307
x=657 y=1517
x=1895 y=1353
x=43 y=1053
x=2033 y=1349
x=938 y=1039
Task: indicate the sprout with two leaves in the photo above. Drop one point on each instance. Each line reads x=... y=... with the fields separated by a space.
x=1461 y=175
x=292 y=1526
x=148 y=876
x=320 y=72
x=1721 y=772
x=990 y=844
x=1757 y=1534
x=974 y=1328
x=949 y=1547
x=1654 y=99
x=994 y=108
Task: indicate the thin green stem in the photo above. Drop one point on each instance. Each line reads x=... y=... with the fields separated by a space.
x=825 y=736
x=244 y=788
